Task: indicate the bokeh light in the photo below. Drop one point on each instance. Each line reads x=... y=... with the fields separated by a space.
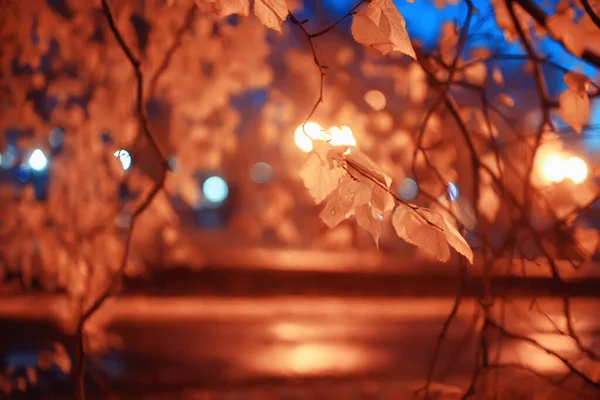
x=375 y=99
x=261 y=172
x=576 y=169
x=124 y=157
x=453 y=191
x=336 y=136
x=8 y=159
x=304 y=140
x=215 y=189
x=554 y=168
x=408 y=189
x=23 y=173
x=37 y=160
x=56 y=137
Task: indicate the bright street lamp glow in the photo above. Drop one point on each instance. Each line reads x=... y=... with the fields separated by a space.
x=215 y=189
x=335 y=136
x=554 y=169
x=37 y=160
x=124 y=157
x=576 y=169
x=304 y=140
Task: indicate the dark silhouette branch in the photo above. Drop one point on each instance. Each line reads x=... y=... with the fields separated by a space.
x=590 y=12
x=541 y=18
x=79 y=370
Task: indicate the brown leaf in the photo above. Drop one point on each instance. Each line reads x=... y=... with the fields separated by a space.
x=577 y=82
x=319 y=179
x=456 y=240
x=422 y=228
x=574 y=109
x=342 y=203
x=271 y=13
x=381 y=26
x=369 y=221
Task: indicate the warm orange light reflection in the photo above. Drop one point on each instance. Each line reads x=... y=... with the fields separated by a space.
x=556 y=169
x=539 y=359
x=303 y=136
x=317 y=359
x=576 y=169
x=375 y=99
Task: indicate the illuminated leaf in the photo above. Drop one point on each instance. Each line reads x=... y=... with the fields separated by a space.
x=362 y=168
x=423 y=229
x=239 y=7
x=577 y=82
x=319 y=179
x=456 y=240
x=342 y=202
x=370 y=222
x=224 y=8
x=381 y=26
x=381 y=200
x=271 y=13
x=574 y=109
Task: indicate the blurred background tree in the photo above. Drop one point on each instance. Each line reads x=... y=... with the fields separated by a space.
x=137 y=135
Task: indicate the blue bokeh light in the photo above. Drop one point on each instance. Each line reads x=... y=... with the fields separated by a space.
x=215 y=189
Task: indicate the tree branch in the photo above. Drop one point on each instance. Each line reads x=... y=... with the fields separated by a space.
x=79 y=370
x=541 y=18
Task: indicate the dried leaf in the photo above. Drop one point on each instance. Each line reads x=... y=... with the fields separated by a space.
x=424 y=229
x=456 y=240
x=224 y=8
x=364 y=169
x=381 y=26
x=381 y=200
x=271 y=13
x=577 y=82
x=342 y=202
x=239 y=7
x=574 y=109
x=319 y=179
x=370 y=222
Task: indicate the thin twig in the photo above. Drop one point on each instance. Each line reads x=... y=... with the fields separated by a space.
x=79 y=370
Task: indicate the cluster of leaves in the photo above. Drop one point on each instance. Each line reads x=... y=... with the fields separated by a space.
x=355 y=185
x=94 y=73
x=14 y=379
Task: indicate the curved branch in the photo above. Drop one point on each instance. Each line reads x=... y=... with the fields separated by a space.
x=135 y=63
x=541 y=18
x=535 y=343
x=590 y=11
x=79 y=370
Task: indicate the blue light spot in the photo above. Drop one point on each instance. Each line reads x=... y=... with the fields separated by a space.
x=453 y=191
x=215 y=189
x=408 y=189
x=261 y=172
x=23 y=173
x=56 y=138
